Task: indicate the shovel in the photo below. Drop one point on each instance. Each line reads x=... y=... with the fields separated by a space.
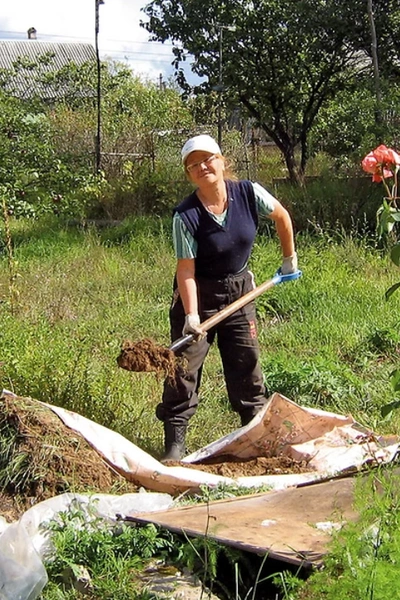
x=145 y=356
x=231 y=308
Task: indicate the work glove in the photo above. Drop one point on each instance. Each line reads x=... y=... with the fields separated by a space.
x=289 y=264
x=192 y=325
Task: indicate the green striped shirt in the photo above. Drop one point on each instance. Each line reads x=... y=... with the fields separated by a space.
x=184 y=243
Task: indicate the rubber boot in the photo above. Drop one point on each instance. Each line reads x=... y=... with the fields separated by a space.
x=246 y=417
x=175 y=447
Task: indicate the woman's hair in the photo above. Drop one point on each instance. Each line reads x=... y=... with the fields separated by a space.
x=229 y=173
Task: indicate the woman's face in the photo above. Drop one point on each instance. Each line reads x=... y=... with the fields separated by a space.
x=203 y=167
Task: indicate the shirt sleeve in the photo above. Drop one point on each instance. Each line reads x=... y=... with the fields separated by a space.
x=265 y=201
x=184 y=243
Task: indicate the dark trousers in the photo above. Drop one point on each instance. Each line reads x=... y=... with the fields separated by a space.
x=237 y=342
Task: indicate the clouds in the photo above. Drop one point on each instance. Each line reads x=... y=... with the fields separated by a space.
x=120 y=35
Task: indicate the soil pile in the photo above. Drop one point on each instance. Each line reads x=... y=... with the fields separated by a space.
x=41 y=458
x=231 y=466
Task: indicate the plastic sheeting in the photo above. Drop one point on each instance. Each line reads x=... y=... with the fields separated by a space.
x=330 y=443
x=22 y=574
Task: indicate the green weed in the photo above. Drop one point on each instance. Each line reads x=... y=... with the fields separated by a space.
x=364 y=556
x=222 y=491
x=111 y=553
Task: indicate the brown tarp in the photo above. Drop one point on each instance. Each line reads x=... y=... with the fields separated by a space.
x=292 y=525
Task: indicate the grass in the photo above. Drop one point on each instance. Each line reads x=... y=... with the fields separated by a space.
x=328 y=340
x=331 y=340
x=364 y=557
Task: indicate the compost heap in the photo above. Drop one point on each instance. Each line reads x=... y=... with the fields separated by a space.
x=40 y=458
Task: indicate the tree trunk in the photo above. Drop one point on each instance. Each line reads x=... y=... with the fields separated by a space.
x=295 y=174
x=283 y=142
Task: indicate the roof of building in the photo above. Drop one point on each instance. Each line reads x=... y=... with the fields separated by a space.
x=18 y=58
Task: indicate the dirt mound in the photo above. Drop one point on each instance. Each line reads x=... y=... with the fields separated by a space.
x=231 y=466
x=255 y=467
x=41 y=458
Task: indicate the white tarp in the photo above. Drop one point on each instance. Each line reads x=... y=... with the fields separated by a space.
x=330 y=443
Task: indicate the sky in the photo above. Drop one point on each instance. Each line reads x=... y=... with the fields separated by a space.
x=120 y=35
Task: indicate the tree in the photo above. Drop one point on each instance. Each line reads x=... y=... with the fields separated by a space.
x=346 y=127
x=386 y=18
x=27 y=159
x=46 y=150
x=282 y=62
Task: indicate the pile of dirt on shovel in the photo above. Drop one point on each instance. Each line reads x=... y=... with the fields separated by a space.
x=147 y=356
x=40 y=458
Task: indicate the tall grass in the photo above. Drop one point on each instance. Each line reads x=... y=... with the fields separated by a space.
x=328 y=340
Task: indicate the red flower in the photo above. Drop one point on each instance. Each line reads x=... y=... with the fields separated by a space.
x=379 y=161
x=386 y=155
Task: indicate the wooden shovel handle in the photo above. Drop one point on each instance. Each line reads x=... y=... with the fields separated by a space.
x=236 y=305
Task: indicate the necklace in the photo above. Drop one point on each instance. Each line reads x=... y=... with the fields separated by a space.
x=215 y=208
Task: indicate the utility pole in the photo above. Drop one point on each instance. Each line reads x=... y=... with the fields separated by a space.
x=374 y=52
x=220 y=88
x=98 y=94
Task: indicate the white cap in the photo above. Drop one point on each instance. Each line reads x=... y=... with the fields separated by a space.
x=203 y=143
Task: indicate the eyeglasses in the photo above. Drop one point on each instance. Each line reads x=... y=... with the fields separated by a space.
x=197 y=165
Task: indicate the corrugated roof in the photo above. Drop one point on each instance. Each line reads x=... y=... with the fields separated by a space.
x=25 y=81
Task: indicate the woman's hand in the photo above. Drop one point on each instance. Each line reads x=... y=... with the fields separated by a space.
x=289 y=264
x=192 y=325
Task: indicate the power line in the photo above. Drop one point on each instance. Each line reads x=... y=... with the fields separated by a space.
x=121 y=53
x=155 y=54
x=81 y=38
x=159 y=57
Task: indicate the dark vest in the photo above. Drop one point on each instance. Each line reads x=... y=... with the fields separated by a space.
x=222 y=250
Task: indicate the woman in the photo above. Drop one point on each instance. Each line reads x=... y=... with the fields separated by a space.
x=214 y=230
